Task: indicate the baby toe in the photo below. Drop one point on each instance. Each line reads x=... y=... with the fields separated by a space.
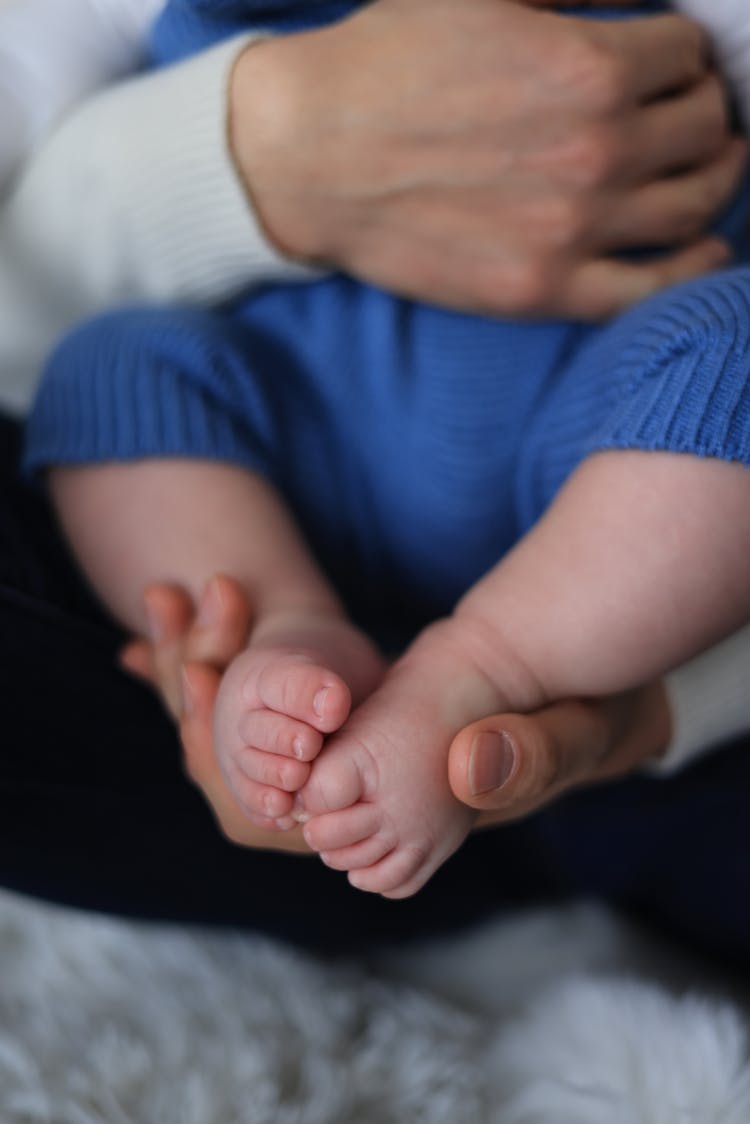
x=302 y=690
x=271 y=769
x=277 y=733
x=336 y=782
x=396 y=875
x=258 y=799
x=360 y=855
x=344 y=828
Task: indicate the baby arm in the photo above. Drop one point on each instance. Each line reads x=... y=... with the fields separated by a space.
x=52 y=54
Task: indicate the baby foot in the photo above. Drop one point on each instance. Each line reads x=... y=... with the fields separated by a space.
x=378 y=799
x=293 y=684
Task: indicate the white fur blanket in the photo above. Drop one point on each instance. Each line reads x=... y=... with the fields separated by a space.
x=557 y=1017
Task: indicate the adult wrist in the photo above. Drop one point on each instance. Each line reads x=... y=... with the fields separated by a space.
x=253 y=120
x=227 y=250
x=274 y=111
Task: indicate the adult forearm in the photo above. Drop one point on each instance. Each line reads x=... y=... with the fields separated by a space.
x=134 y=198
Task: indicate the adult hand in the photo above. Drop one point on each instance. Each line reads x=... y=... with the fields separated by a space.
x=506 y=765
x=182 y=660
x=512 y=764
x=211 y=633
x=489 y=155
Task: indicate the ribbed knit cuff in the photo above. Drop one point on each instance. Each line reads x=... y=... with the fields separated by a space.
x=710 y=702
x=138 y=384
x=685 y=373
x=670 y=375
x=196 y=228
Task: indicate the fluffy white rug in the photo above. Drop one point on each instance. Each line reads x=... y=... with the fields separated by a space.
x=561 y=1017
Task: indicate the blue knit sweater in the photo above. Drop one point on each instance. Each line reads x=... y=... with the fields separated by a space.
x=414 y=445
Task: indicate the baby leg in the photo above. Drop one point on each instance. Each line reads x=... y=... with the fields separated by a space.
x=639 y=563
x=181 y=521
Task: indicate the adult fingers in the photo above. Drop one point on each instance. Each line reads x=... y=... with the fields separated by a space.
x=221 y=628
x=601 y=288
x=677 y=133
x=199 y=685
x=137 y=658
x=508 y=765
x=213 y=634
x=646 y=58
x=676 y=210
x=157 y=660
x=170 y=612
x=591 y=289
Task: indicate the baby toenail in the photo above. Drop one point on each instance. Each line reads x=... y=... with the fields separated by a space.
x=319 y=701
x=298 y=812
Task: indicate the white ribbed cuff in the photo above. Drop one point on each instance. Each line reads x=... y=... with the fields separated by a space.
x=196 y=227
x=709 y=700
x=134 y=198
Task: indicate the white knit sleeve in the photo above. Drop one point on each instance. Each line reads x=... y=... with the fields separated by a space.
x=134 y=197
x=710 y=702
x=55 y=52
x=728 y=23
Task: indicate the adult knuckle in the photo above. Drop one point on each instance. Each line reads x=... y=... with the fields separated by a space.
x=560 y=223
x=592 y=157
x=593 y=72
